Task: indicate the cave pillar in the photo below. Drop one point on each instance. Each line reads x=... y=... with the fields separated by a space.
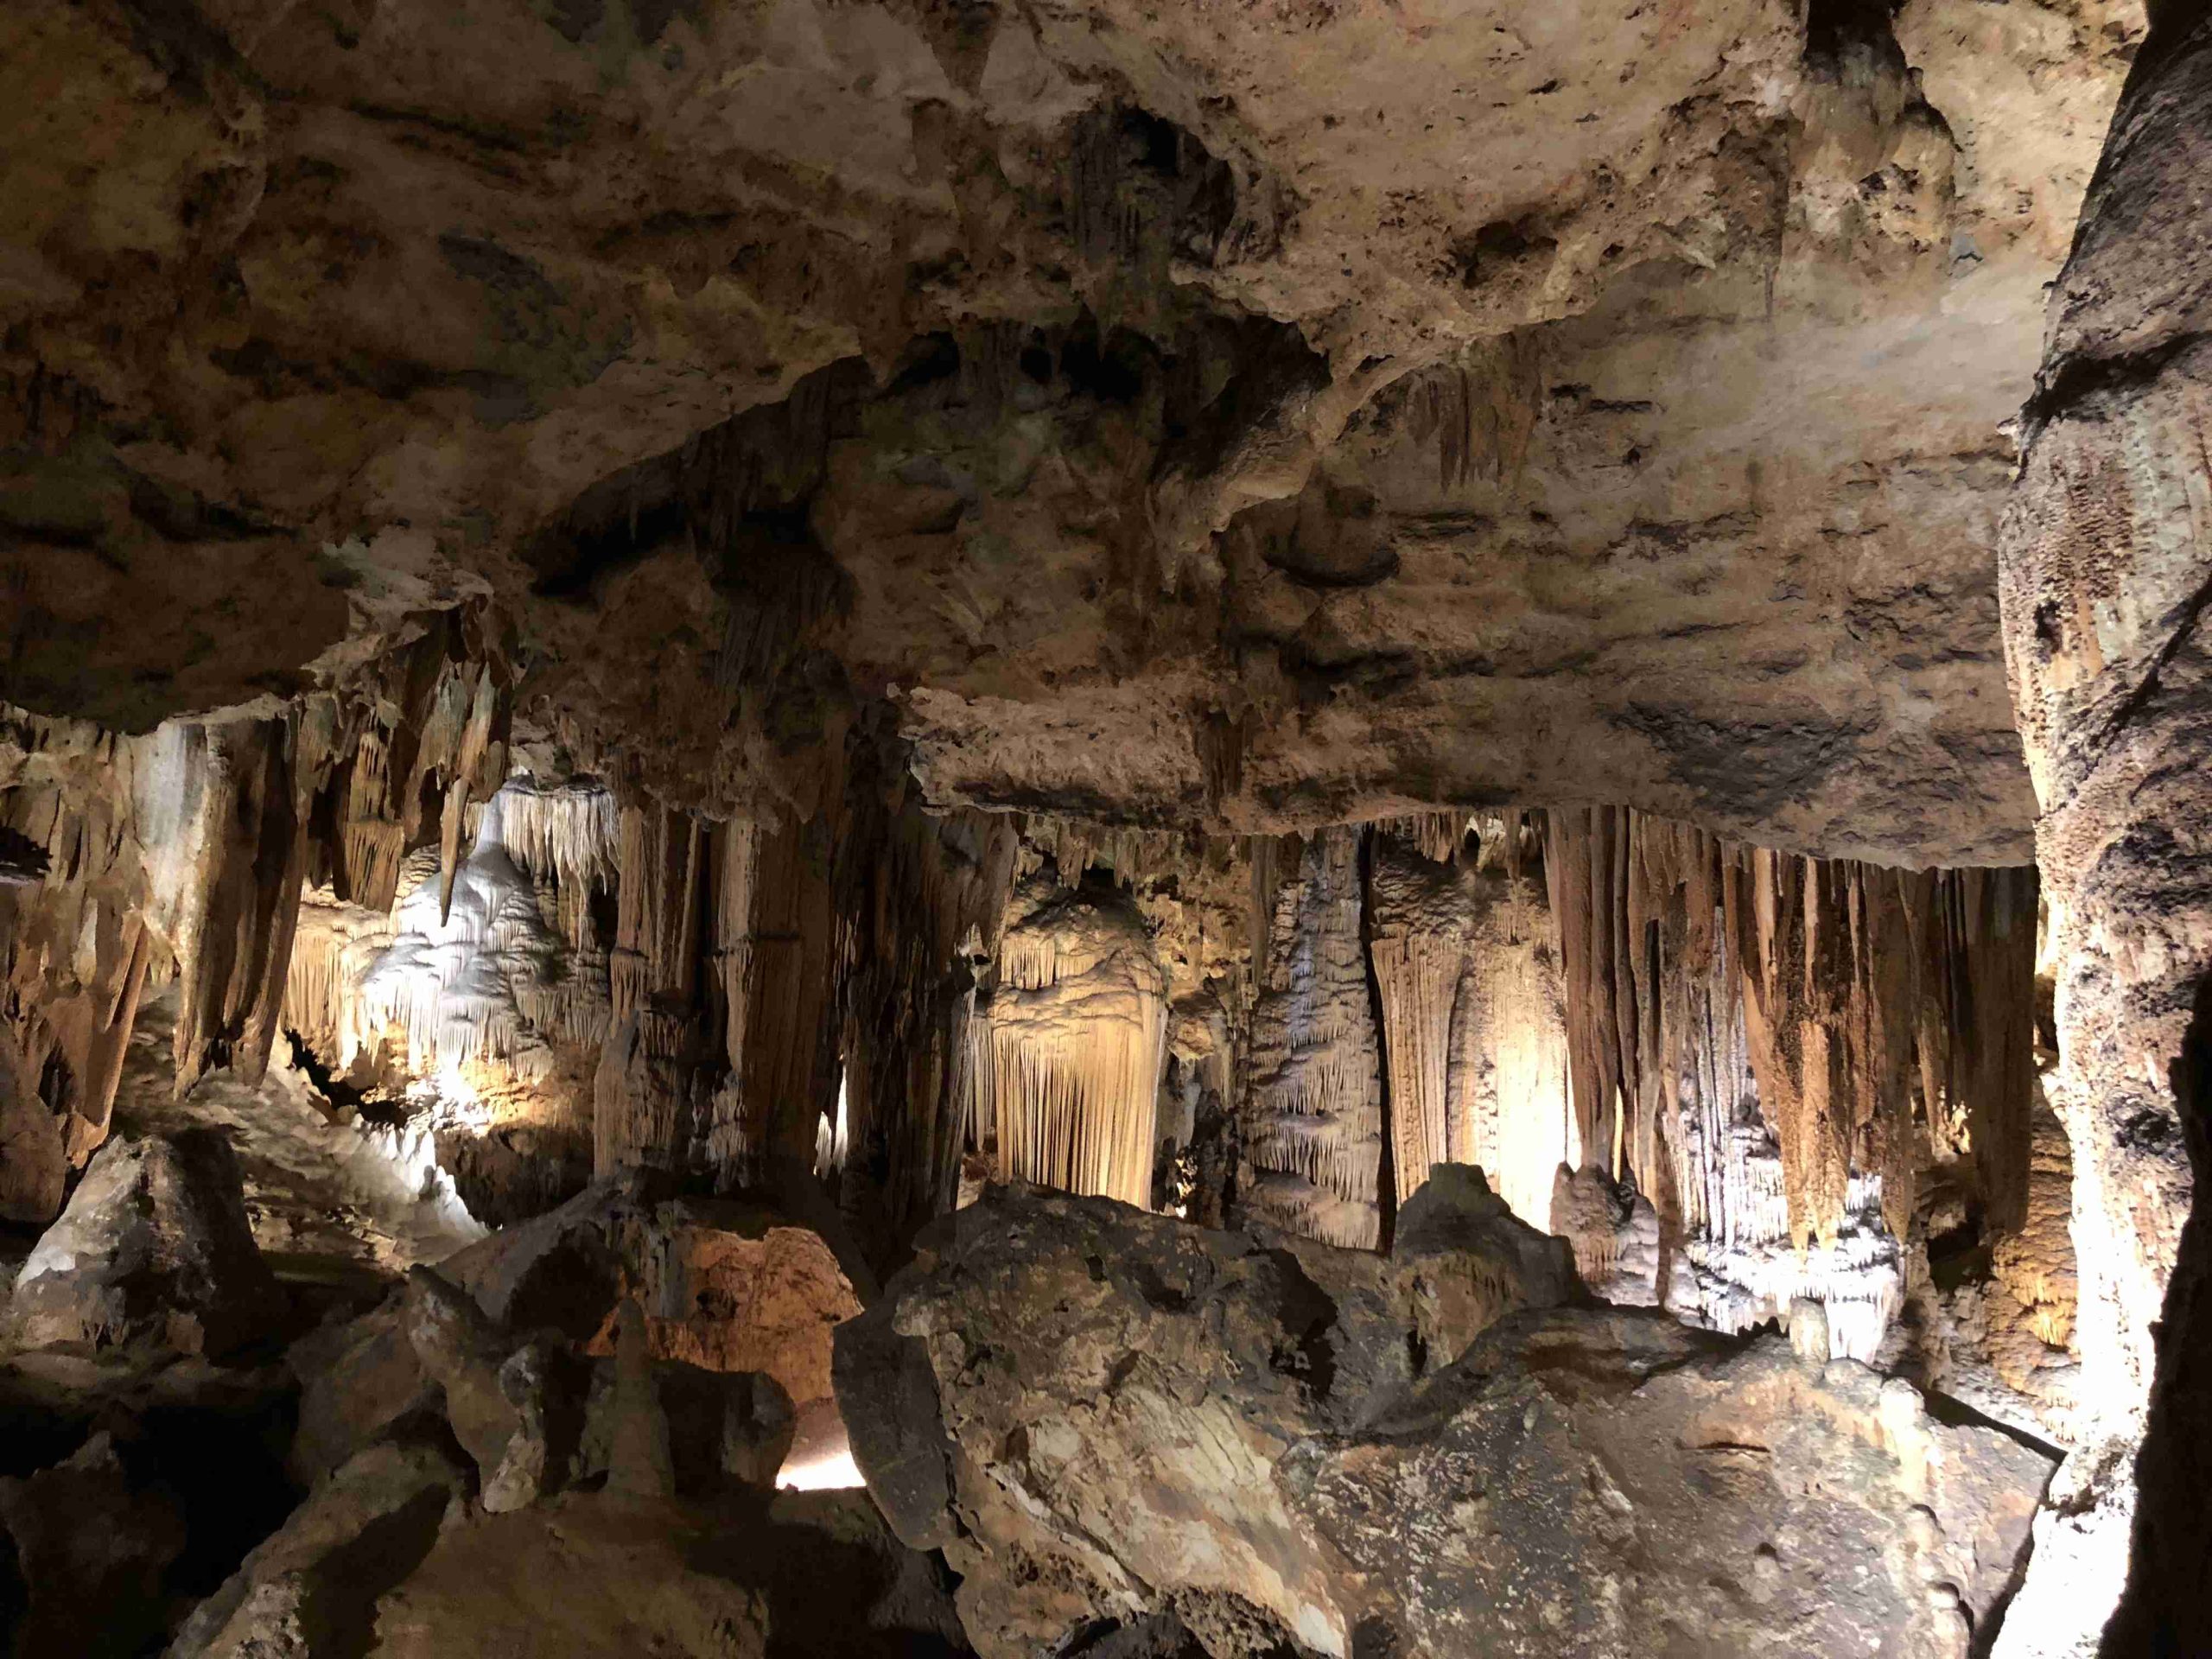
x=2106 y=583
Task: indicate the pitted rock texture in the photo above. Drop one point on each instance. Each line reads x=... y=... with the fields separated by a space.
x=2107 y=583
x=1103 y=1416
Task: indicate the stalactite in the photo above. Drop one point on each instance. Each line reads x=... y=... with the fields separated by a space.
x=1420 y=917
x=1845 y=1003
x=1508 y=1085
x=186 y=849
x=481 y=980
x=723 y=1057
x=1313 y=1115
x=791 y=1031
x=1075 y=1037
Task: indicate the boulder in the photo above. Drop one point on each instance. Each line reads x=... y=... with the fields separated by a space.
x=1131 y=1417
x=358 y=1380
x=1464 y=1259
x=581 y=1577
x=92 y=1549
x=33 y=1161
x=308 y=1591
x=153 y=1248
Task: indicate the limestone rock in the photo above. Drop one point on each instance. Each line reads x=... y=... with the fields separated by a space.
x=1615 y=1234
x=726 y=1285
x=153 y=1248
x=464 y=1353
x=1464 y=1260
x=91 y=1549
x=1135 y=1417
x=33 y=1162
x=357 y=1380
x=308 y=1591
x=580 y=1577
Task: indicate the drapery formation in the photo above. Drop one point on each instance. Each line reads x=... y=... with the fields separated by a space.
x=920 y=926
x=1073 y=1040
x=1313 y=1126
x=1869 y=1008
x=721 y=1055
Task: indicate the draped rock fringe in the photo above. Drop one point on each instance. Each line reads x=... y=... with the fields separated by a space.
x=571 y=836
x=1313 y=1115
x=1481 y=410
x=1473 y=1027
x=1075 y=1041
x=721 y=1055
x=1858 y=1001
x=189 y=847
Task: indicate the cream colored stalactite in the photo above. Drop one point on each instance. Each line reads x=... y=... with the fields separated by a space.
x=736 y=876
x=1508 y=1046
x=1076 y=1034
x=1421 y=916
x=1313 y=1119
x=567 y=837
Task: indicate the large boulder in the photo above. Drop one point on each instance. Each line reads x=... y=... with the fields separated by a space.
x=154 y=1249
x=310 y=1589
x=1117 y=1417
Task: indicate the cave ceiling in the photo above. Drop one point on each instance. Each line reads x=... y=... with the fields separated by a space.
x=1250 y=416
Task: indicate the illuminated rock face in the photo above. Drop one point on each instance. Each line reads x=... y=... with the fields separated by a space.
x=2105 y=580
x=1223 y=607
x=1102 y=1416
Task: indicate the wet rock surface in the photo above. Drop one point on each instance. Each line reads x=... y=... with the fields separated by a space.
x=1132 y=1418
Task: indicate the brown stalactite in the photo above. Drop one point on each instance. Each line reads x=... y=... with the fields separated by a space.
x=1859 y=990
x=921 y=892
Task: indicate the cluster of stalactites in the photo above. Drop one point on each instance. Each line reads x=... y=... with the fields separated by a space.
x=500 y=974
x=189 y=848
x=1862 y=1002
x=1071 y=1044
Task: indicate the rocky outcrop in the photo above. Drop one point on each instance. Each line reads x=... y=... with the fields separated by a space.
x=1104 y=1417
x=154 y=1249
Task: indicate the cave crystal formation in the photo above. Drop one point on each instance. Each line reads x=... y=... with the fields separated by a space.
x=1341 y=828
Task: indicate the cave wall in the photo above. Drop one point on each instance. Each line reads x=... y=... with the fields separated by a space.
x=2104 y=579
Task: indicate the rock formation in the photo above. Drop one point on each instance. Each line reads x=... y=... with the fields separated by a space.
x=1101 y=1416
x=651 y=648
